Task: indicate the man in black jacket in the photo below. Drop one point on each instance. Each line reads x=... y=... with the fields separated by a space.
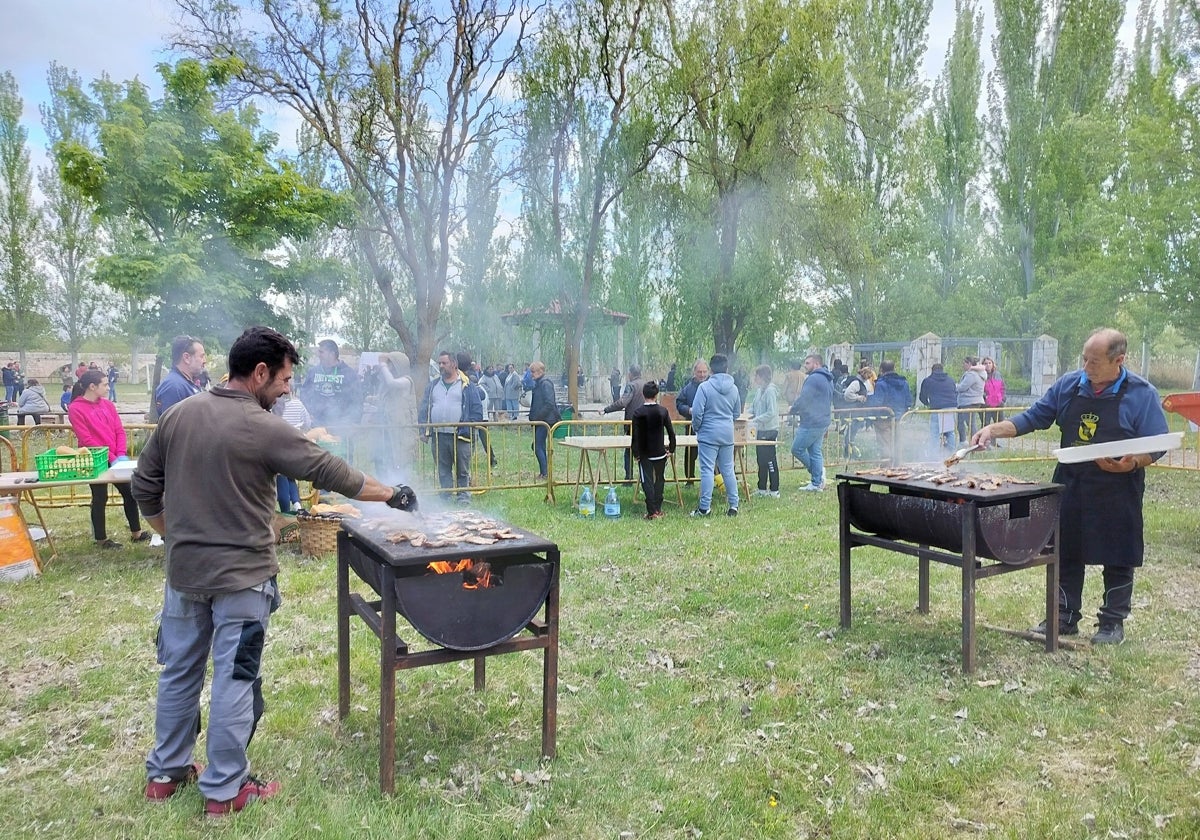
x=937 y=392
x=683 y=404
x=627 y=403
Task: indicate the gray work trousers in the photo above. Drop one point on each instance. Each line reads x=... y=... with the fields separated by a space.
x=233 y=626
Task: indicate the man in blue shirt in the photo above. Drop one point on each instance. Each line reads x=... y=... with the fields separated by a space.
x=1101 y=516
x=187 y=362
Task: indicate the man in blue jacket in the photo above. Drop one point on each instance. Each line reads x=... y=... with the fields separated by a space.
x=716 y=405
x=187 y=362
x=891 y=391
x=814 y=411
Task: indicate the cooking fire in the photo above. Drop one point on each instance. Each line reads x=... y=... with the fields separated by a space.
x=474 y=575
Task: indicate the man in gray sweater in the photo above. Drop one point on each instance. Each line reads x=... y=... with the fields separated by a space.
x=206 y=482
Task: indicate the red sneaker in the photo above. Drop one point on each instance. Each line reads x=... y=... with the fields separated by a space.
x=162 y=788
x=252 y=790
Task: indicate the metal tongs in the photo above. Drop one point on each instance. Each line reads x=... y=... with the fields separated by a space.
x=962 y=453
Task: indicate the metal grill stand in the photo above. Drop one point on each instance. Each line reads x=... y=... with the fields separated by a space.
x=396 y=655
x=851 y=489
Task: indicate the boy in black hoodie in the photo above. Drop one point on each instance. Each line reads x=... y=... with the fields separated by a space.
x=648 y=423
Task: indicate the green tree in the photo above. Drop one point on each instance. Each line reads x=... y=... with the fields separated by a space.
x=1055 y=139
x=1156 y=194
x=954 y=125
x=22 y=285
x=72 y=237
x=401 y=95
x=863 y=194
x=752 y=75
x=205 y=204
x=593 y=124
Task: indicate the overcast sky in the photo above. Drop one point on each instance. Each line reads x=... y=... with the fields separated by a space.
x=126 y=38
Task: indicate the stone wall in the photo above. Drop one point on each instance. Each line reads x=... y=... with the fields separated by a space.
x=44 y=366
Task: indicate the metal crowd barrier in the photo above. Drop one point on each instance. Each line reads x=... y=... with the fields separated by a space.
x=502 y=456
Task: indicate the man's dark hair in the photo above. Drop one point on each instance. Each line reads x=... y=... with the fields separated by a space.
x=937 y=368
x=181 y=344
x=887 y=366
x=650 y=390
x=719 y=363
x=463 y=359
x=816 y=357
x=330 y=345
x=260 y=344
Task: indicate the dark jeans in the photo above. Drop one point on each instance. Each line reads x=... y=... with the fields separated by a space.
x=37 y=419
x=653 y=474
x=1118 y=592
x=485 y=440
x=968 y=422
x=540 y=434
x=453 y=459
x=100 y=502
x=768 y=464
x=287 y=491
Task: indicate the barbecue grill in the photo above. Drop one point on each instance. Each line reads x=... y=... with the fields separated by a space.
x=1015 y=525
x=470 y=600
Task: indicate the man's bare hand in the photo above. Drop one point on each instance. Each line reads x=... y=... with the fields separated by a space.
x=1126 y=464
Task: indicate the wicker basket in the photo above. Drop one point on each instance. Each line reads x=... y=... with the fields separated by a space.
x=318 y=534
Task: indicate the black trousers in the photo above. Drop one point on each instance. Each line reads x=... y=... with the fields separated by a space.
x=99 y=507
x=1118 y=592
x=768 y=464
x=653 y=474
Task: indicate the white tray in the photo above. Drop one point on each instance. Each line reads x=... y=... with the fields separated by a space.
x=1119 y=448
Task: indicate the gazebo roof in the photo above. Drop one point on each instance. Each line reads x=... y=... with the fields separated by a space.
x=553 y=311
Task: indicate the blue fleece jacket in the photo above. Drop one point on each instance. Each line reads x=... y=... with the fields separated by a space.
x=716 y=404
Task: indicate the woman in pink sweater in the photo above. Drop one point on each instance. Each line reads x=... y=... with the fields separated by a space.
x=96 y=423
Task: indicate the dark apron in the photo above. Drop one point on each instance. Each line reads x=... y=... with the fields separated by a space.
x=1101 y=521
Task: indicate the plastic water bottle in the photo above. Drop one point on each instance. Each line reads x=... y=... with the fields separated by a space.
x=587 y=503
x=612 y=505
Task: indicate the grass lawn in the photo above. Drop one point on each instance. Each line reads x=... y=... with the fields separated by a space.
x=706 y=690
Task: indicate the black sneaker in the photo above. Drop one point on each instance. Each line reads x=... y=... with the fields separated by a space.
x=1111 y=633
x=1065 y=628
x=731 y=512
x=698 y=512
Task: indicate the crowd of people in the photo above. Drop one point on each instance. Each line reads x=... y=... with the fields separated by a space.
x=218 y=465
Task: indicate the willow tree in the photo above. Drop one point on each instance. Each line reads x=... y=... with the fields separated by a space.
x=592 y=124
x=401 y=94
x=863 y=194
x=753 y=74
